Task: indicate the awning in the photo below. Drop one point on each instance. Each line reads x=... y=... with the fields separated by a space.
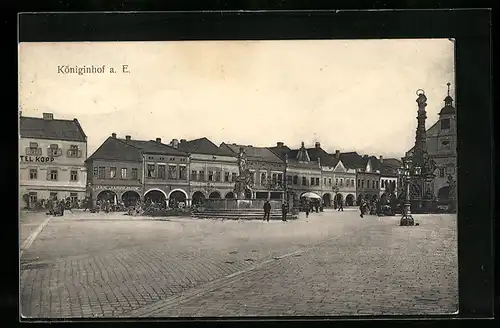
x=310 y=195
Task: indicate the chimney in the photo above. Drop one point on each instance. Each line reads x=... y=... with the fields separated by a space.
x=127 y=138
x=381 y=159
x=365 y=156
x=48 y=116
x=113 y=135
x=174 y=143
x=337 y=153
x=249 y=146
x=280 y=144
x=158 y=140
x=183 y=141
x=317 y=145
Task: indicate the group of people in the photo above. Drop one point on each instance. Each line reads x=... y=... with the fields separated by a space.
x=57 y=207
x=374 y=208
x=267 y=211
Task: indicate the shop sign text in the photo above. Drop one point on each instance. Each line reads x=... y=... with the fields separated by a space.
x=36 y=159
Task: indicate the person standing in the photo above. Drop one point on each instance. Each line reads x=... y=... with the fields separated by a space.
x=267 y=210
x=361 y=208
x=341 y=206
x=284 y=211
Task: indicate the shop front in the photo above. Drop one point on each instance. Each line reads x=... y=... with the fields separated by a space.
x=128 y=195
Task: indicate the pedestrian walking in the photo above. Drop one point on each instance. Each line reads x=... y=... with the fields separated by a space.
x=267 y=210
x=61 y=207
x=284 y=211
x=341 y=206
x=361 y=208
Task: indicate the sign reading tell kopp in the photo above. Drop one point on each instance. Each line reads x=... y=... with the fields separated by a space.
x=36 y=159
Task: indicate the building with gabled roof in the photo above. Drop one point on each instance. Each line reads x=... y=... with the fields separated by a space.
x=213 y=170
x=267 y=170
x=51 y=159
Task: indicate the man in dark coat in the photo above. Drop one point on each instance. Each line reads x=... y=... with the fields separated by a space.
x=362 y=208
x=267 y=210
x=284 y=211
x=341 y=206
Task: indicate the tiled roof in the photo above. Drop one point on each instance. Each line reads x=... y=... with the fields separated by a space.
x=326 y=159
x=388 y=170
x=153 y=147
x=33 y=127
x=255 y=153
x=352 y=160
x=281 y=151
x=204 y=146
x=114 y=149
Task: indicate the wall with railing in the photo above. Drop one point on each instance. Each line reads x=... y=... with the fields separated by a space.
x=239 y=204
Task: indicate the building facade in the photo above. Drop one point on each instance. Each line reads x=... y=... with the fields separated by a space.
x=344 y=182
x=267 y=171
x=389 y=179
x=441 y=141
x=213 y=170
x=115 y=172
x=51 y=159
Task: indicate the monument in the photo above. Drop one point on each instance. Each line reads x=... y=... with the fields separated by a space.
x=422 y=166
x=243 y=180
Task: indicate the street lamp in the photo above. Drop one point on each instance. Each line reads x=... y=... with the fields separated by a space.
x=406 y=172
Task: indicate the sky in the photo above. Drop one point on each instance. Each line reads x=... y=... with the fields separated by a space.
x=350 y=95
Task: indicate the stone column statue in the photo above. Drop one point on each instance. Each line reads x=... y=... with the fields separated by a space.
x=243 y=178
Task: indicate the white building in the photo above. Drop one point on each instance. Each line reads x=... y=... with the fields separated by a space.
x=51 y=159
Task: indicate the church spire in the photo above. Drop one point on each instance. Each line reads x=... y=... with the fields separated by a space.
x=448 y=101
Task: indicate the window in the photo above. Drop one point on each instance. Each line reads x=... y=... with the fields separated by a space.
x=329 y=181
x=162 y=174
x=382 y=183
x=73 y=176
x=441 y=172
x=73 y=151
x=233 y=176
x=289 y=179
x=362 y=183
x=304 y=181
x=312 y=181
x=182 y=172
x=96 y=172
x=445 y=144
x=252 y=178
x=151 y=170
x=295 y=179
x=336 y=181
x=102 y=172
x=341 y=182
x=445 y=124
x=217 y=176
x=54 y=150
x=123 y=173
x=376 y=184
x=226 y=176
x=134 y=174
x=347 y=182
x=172 y=172
x=73 y=197
x=210 y=176
x=52 y=174
x=33 y=198
x=274 y=178
x=53 y=195
x=324 y=181
x=201 y=176
x=317 y=181
x=194 y=175
x=112 y=172
x=352 y=182
x=358 y=183
x=33 y=149
x=33 y=174
x=280 y=178
x=263 y=177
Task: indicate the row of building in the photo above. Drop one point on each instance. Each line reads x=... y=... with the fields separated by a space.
x=54 y=163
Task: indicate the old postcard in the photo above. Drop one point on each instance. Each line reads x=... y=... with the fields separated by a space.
x=237 y=178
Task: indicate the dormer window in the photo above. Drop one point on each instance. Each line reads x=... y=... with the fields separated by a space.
x=445 y=124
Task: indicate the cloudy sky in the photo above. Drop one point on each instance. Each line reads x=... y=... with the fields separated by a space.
x=354 y=95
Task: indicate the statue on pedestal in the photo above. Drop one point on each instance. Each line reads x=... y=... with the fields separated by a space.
x=243 y=180
x=452 y=193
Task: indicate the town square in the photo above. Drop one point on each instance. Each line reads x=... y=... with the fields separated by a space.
x=175 y=212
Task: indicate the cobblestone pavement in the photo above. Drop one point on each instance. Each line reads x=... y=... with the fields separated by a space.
x=87 y=265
